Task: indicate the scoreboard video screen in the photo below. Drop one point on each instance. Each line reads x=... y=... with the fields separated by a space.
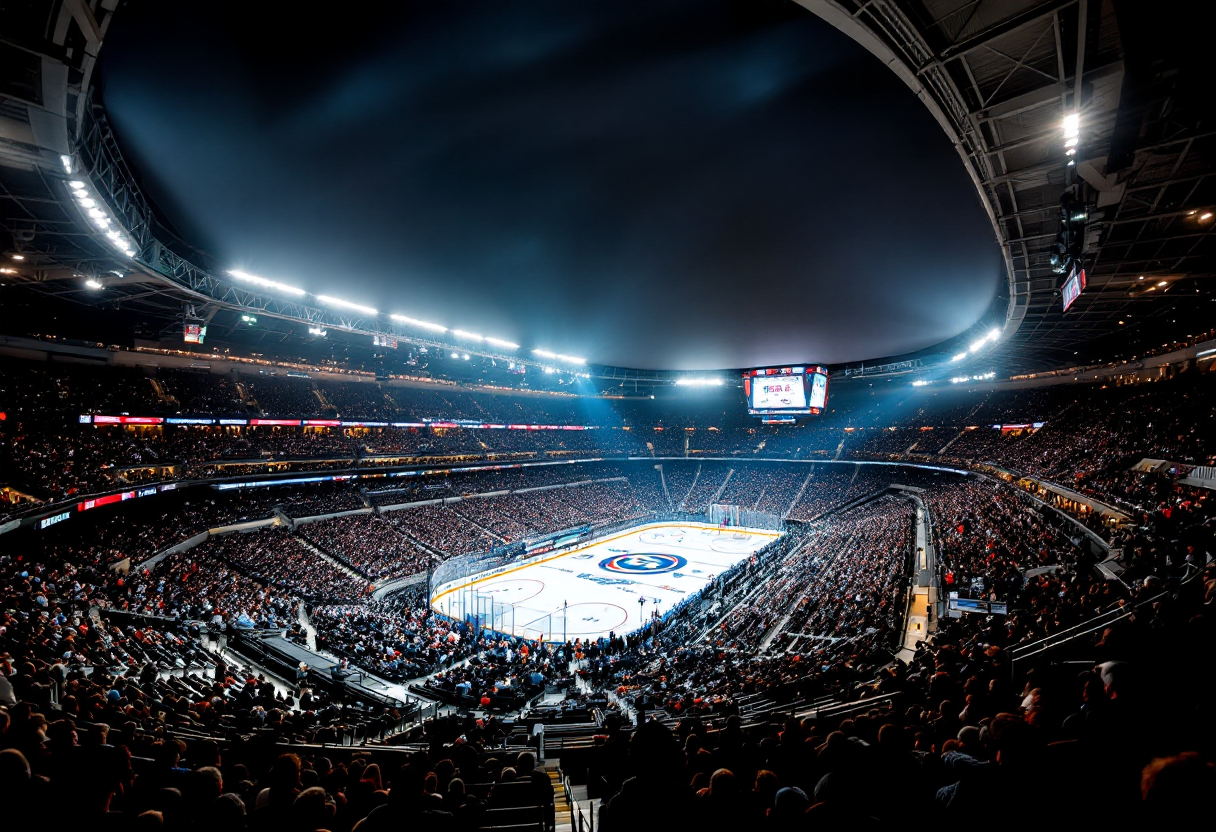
x=1073 y=287
x=786 y=391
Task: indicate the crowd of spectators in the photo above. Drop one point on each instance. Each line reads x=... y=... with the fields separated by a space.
x=707 y=481
x=989 y=536
x=442 y=530
x=283 y=396
x=48 y=455
x=957 y=727
x=54 y=464
x=358 y=400
x=198 y=585
x=311 y=501
x=951 y=731
x=780 y=590
x=277 y=557
x=824 y=610
x=501 y=673
x=396 y=640
x=201 y=391
x=369 y=545
x=860 y=589
x=833 y=485
x=38 y=389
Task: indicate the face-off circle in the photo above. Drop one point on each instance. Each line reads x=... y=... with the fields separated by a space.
x=643 y=563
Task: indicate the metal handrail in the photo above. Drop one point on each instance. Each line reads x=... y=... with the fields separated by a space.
x=848 y=707
x=1114 y=613
x=578 y=821
x=1035 y=648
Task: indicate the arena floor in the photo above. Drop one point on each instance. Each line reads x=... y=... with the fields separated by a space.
x=600 y=588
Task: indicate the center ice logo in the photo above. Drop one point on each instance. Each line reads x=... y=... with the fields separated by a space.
x=643 y=563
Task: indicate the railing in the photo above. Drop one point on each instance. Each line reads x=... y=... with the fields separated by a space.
x=1099 y=622
x=362 y=734
x=578 y=820
x=845 y=708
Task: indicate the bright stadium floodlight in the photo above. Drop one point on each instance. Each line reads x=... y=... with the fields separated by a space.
x=920 y=382
x=993 y=335
x=66 y=161
x=87 y=202
x=316 y=330
x=959 y=357
x=76 y=184
x=420 y=324
x=570 y=358
x=699 y=382
x=498 y=342
x=345 y=304
x=93 y=284
x=470 y=336
x=269 y=284
x=1072 y=132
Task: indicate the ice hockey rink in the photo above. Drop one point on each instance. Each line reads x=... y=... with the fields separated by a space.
x=611 y=585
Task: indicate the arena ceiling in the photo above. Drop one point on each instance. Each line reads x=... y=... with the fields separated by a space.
x=997 y=76
x=1000 y=76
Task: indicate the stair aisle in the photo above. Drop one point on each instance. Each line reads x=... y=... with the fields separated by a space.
x=561 y=806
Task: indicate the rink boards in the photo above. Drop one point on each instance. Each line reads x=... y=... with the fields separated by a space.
x=610 y=585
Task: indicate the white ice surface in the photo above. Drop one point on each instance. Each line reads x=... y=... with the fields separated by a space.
x=577 y=594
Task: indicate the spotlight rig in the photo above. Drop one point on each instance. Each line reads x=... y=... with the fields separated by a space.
x=1070 y=238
